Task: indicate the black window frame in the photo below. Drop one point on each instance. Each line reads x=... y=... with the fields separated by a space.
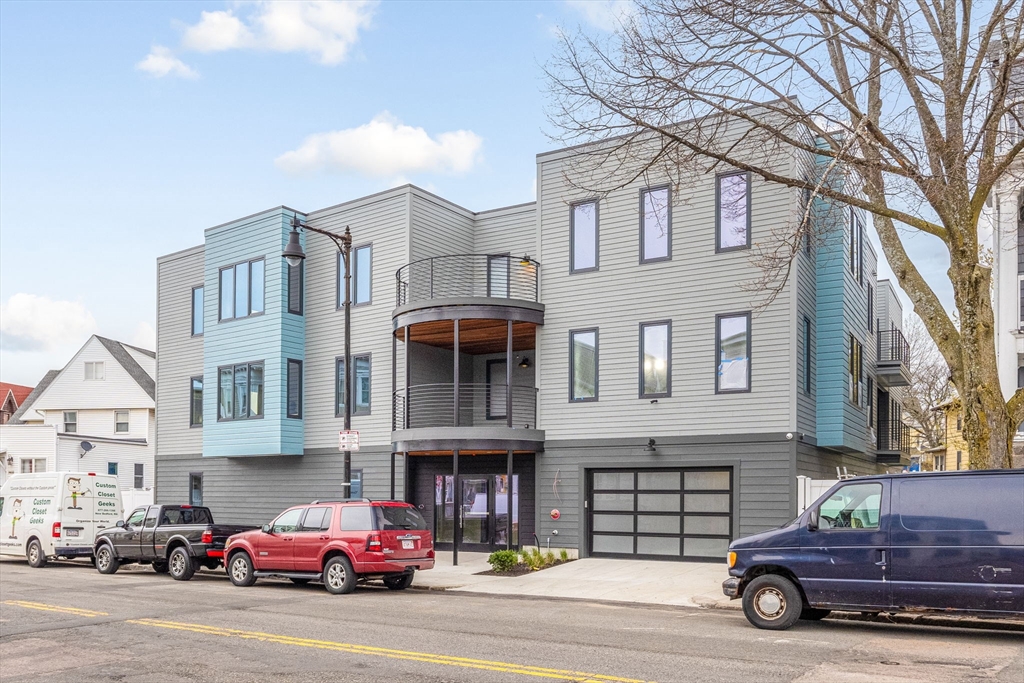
x=856 y=246
x=296 y=273
x=234 y=289
x=855 y=370
x=808 y=359
x=597 y=365
x=339 y=408
x=192 y=422
x=139 y=476
x=234 y=405
x=668 y=360
x=340 y=276
x=491 y=362
x=643 y=226
x=871 y=402
x=202 y=316
x=507 y=259
x=192 y=478
x=750 y=351
x=871 y=309
x=572 y=236
x=291 y=366
x=719 y=249
x=112 y=466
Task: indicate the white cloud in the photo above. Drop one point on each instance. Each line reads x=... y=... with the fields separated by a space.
x=161 y=62
x=385 y=147
x=144 y=336
x=36 y=323
x=323 y=28
x=603 y=14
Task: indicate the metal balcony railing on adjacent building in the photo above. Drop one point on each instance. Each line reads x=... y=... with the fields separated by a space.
x=893 y=441
x=468 y=276
x=434 y=405
x=891 y=364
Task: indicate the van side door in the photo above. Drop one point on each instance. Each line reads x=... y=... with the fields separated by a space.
x=844 y=559
x=958 y=542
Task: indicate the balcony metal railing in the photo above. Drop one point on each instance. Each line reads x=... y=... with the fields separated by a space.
x=433 y=405
x=468 y=275
x=894 y=436
x=892 y=346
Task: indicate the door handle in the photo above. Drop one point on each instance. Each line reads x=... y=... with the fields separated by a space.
x=287 y=538
x=882 y=562
x=325 y=538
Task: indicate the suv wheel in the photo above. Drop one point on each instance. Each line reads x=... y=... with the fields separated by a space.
x=180 y=565
x=398 y=583
x=772 y=602
x=106 y=561
x=35 y=555
x=240 y=570
x=338 y=576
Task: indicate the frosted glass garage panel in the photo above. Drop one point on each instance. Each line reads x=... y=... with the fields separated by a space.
x=653 y=481
x=613 y=501
x=707 y=481
x=613 y=480
x=717 y=526
x=707 y=502
x=705 y=547
x=613 y=544
x=653 y=545
x=657 y=524
x=657 y=502
x=613 y=523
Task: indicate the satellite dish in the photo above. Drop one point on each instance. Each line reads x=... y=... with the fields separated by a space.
x=86 y=447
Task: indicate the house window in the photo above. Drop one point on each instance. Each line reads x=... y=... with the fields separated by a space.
x=806 y=226
x=195 y=488
x=959 y=423
x=583 y=237
x=732 y=338
x=242 y=289
x=240 y=393
x=1020 y=377
x=94 y=370
x=856 y=370
x=871 y=309
x=856 y=247
x=197 y=311
x=807 y=355
x=583 y=351
x=656 y=359
x=140 y=476
x=362 y=261
x=733 y=212
x=361 y=405
x=871 y=403
x=195 y=412
x=498 y=276
x=655 y=225
x=294 y=388
x=121 y=421
x=112 y=468
x=959 y=459
x=30 y=465
x=940 y=463
x=356 y=488
x=70 y=421
x=296 y=277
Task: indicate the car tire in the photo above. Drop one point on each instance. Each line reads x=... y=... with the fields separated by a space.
x=160 y=567
x=180 y=565
x=398 y=583
x=814 y=614
x=106 y=560
x=299 y=582
x=240 y=570
x=339 y=578
x=35 y=555
x=772 y=602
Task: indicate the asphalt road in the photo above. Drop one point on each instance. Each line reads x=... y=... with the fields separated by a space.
x=69 y=623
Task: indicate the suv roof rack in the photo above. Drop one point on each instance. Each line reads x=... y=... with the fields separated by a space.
x=343 y=500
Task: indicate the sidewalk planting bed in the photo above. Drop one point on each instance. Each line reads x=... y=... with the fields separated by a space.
x=514 y=563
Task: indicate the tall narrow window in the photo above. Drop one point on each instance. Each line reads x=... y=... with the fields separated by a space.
x=656 y=359
x=497 y=381
x=140 y=476
x=195 y=488
x=362 y=395
x=805 y=218
x=807 y=355
x=733 y=211
x=362 y=272
x=195 y=412
x=121 y=418
x=70 y=421
x=733 y=341
x=583 y=236
x=197 y=311
x=655 y=225
x=227 y=293
x=583 y=383
x=856 y=370
x=94 y=370
x=871 y=403
x=242 y=289
x=871 y=309
x=240 y=391
x=498 y=276
x=294 y=388
x=257 y=289
x=856 y=247
x=225 y=394
x=295 y=284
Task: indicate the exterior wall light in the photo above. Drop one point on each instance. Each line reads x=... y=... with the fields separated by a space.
x=650 y=447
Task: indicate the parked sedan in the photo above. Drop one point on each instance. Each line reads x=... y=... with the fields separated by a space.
x=338 y=542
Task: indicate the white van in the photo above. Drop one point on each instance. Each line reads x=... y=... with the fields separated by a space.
x=56 y=514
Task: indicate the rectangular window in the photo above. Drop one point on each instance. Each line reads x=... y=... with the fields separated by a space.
x=583 y=231
x=1021 y=302
x=655 y=225
x=242 y=289
x=197 y=311
x=361 y=406
x=940 y=463
x=94 y=370
x=871 y=309
x=240 y=394
x=733 y=211
x=856 y=247
x=296 y=277
x=583 y=361
x=959 y=423
x=362 y=265
x=656 y=359
x=806 y=225
x=959 y=459
x=195 y=488
x=807 y=355
x=70 y=421
x=856 y=370
x=871 y=403
x=140 y=476
x=497 y=381
x=733 y=343
x=356 y=488
x=112 y=468
x=195 y=412
x=498 y=276
x=121 y=418
x=30 y=465
x=294 y=388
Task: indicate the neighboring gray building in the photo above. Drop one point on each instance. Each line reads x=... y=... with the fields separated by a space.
x=651 y=401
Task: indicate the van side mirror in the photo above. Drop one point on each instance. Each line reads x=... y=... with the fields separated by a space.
x=120 y=524
x=266 y=528
x=812 y=521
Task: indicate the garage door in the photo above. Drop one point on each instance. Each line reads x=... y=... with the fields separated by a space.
x=670 y=514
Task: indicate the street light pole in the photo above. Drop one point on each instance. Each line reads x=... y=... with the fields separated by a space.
x=294 y=255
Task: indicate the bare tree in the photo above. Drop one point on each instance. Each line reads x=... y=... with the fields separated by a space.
x=907 y=109
x=929 y=383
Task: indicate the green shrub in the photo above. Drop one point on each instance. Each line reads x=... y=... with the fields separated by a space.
x=531 y=560
x=503 y=560
x=563 y=555
x=549 y=559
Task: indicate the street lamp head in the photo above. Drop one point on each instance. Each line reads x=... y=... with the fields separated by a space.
x=293 y=253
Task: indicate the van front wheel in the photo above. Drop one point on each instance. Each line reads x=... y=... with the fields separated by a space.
x=772 y=602
x=35 y=555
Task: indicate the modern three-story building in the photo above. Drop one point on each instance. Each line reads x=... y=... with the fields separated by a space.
x=589 y=372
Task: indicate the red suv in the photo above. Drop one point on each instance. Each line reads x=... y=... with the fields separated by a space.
x=339 y=543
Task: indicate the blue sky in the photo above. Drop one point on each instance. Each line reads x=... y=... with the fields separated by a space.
x=126 y=129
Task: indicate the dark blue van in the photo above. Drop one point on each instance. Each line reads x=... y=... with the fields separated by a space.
x=950 y=541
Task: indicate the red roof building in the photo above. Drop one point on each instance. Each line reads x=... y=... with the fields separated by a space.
x=11 y=396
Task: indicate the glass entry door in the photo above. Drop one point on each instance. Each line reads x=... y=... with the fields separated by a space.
x=482 y=503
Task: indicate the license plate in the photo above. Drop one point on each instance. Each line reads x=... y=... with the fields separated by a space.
x=408 y=545
x=71 y=533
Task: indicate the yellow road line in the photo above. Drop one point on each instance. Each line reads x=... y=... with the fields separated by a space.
x=56 y=608
x=465 y=662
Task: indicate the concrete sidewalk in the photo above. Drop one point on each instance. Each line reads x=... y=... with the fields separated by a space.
x=685 y=584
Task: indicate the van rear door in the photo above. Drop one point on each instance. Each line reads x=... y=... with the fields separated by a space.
x=403 y=531
x=76 y=512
